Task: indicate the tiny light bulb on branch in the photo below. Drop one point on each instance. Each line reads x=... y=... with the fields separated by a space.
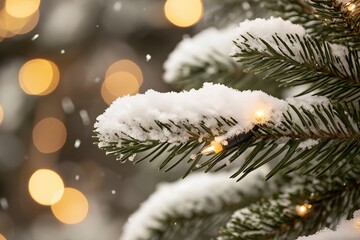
x=216 y=146
x=259 y=115
x=303 y=210
x=213 y=147
x=351 y=7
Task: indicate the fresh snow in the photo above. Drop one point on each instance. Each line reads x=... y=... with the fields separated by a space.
x=198 y=193
x=308 y=144
x=251 y=31
x=210 y=44
x=346 y=230
x=127 y=116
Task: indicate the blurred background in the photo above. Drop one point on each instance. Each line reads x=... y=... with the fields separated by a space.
x=62 y=62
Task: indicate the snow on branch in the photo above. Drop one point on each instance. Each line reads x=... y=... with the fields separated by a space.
x=347 y=230
x=286 y=39
x=199 y=194
x=285 y=53
x=138 y=116
x=209 y=46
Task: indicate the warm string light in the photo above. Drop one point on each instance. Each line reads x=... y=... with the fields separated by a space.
x=260 y=115
x=351 y=7
x=217 y=145
x=214 y=147
x=303 y=210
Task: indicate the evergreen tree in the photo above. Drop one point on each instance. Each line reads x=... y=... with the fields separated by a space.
x=295 y=162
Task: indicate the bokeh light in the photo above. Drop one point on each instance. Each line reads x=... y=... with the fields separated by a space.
x=183 y=13
x=126 y=65
x=72 y=207
x=117 y=85
x=49 y=135
x=46 y=187
x=21 y=8
x=1 y=114
x=2 y=237
x=122 y=78
x=11 y=26
x=39 y=77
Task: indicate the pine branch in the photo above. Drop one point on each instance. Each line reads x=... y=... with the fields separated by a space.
x=342 y=18
x=308 y=134
x=192 y=208
x=326 y=202
x=295 y=59
x=206 y=58
x=299 y=12
x=332 y=135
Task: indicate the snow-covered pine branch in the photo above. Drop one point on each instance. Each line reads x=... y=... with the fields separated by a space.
x=206 y=201
x=299 y=12
x=179 y=124
x=342 y=17
x=206 y=58
x=298 y=209
x=208 y=51
x=287 y=54
x=347 y=230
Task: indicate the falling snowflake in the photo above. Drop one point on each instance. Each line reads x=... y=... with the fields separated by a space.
x=84 y=117
x=36 y=36
x=67 y=105
x=77 y=143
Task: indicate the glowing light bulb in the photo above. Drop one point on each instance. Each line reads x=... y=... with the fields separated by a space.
x=213 y=147
x=351 y=7
x=260 y=115
x=302 y=210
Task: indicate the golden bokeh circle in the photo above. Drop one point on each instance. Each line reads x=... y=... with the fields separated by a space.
x=49 y=135
x=72 y=207
x=39 y=77
x=117 y=85
x=46 y=187
x=183 y=13
x=126 y=65
x=21 y=8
